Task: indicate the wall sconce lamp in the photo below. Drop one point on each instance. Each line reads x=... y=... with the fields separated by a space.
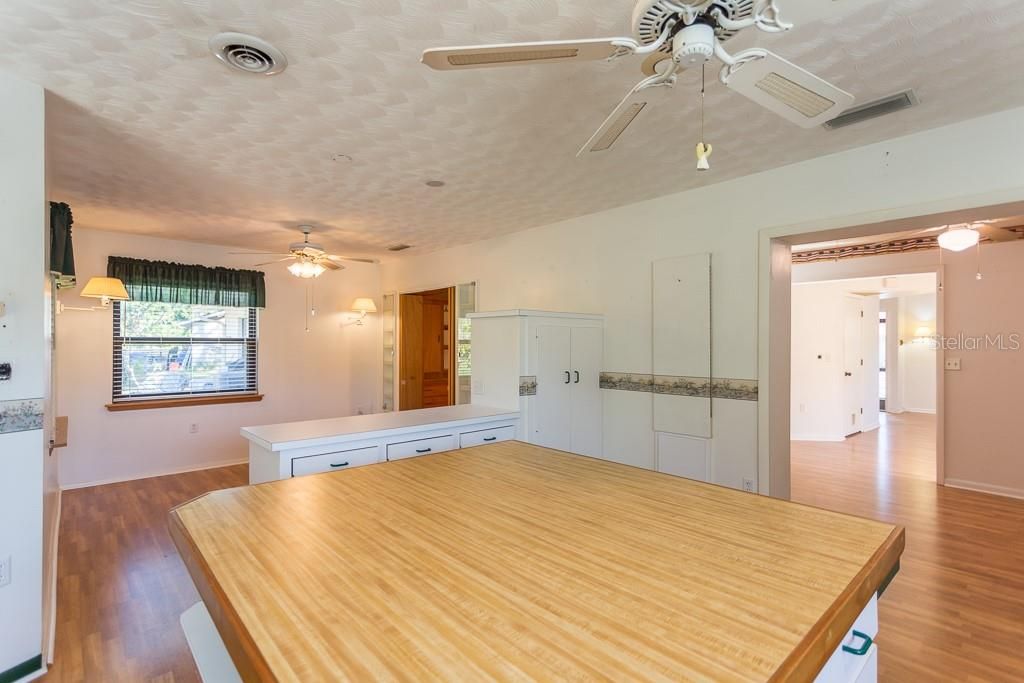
x=106 y=289
x=363 y=305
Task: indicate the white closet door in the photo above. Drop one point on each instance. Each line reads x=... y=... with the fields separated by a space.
x=554 y=388
x=587 y=358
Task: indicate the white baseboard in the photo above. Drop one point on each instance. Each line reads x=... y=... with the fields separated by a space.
x=922 y=411
x=871 y=427
x=182 y=470
x=817 y=437
x=985 y=488
x=54 y=546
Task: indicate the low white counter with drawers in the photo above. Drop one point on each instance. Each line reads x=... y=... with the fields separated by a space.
x=295 y=449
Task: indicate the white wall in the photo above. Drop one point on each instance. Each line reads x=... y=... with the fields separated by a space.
x=331 y=371
x=916 y=371
x=601 y=263
x=23 y=221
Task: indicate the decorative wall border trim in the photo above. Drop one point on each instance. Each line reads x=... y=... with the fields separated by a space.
x=21 y=415
x=528 y=386
x=672 y=385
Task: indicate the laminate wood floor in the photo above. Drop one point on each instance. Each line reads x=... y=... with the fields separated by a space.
x=121 y=586
x=954 y=613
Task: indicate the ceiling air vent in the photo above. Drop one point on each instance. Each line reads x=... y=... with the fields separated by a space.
x=248 y=53
x=399 y=247
x=872 y=110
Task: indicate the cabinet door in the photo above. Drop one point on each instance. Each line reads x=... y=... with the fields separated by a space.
x=551 y=405
x=587 y=356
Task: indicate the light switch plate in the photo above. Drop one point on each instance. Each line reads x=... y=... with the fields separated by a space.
x=5 y=571
x=952 y=363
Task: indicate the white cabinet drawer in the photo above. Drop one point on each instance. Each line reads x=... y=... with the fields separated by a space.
x=486 y=436
x=335 y=462
x=414 y=449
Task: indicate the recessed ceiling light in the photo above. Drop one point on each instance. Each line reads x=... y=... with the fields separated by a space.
x=248 y=53
x=435 y=183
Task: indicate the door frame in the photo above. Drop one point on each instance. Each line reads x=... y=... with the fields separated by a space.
x=774 y=293
x=398 y=293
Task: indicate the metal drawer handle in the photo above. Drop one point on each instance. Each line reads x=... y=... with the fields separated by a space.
x=424 y=450
x=568 y=377
x=577 y=376
x=491 y=438
x=865 y=645
x=341 y=464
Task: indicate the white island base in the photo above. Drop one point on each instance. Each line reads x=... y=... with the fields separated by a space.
x=296 y=449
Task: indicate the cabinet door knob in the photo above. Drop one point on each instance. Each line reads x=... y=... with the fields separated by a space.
x=848 y=374
x=577 y=376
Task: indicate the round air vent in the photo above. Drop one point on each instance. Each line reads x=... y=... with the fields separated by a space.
x=248 y=54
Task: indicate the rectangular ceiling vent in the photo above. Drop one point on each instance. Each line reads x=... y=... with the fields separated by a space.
x=399 y=247
x=872 y=110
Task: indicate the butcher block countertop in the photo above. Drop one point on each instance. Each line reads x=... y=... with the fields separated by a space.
x=516 y=562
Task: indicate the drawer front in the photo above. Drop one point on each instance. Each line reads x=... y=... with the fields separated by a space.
x=414 y=449
x=486 y=436
x=856 y=657
x=334 y=462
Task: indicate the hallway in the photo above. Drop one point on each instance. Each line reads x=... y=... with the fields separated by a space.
x=957 y=605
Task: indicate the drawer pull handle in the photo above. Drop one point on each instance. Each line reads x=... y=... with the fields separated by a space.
x=491 y=438
x=577 y=373
x=341 y=464
x=864 y=647
x=568 y=376
x=424 y=450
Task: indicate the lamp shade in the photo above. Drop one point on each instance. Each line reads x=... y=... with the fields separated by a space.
x=923 y=332
x=959 y=238
x=105 y=288
x=364 y=305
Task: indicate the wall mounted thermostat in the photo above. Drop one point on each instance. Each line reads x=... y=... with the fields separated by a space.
x=5 y=372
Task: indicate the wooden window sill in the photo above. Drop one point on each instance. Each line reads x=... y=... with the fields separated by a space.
x=182 y=402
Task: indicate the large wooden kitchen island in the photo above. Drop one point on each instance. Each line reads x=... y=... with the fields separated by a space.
x=515 y=562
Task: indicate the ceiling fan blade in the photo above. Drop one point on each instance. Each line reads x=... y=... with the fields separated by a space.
x=258 y=253
x=631 y=106
x=329 y=264
x=513 y=54
x=997 y=233
x=270 y=263
x=793 y=93
x=334 y=257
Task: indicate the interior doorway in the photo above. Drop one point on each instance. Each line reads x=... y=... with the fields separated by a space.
x=427 y=377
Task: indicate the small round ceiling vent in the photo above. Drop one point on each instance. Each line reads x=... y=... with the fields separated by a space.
x=248 y=54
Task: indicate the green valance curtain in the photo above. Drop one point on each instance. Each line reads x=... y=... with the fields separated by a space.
x=175 y=283
x=62 y=255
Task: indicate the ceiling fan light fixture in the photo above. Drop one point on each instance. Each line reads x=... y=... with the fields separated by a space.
x=307 y=270
x=959 y=238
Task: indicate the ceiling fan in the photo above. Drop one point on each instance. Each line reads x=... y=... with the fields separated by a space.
x=675 y=35
x=311 y=260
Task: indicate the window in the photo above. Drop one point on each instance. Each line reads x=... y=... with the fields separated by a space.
x=462 y=347
x=169 y=350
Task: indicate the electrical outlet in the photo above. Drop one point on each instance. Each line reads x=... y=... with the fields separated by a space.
x=952 y=363
x=748 y=485
x=5 y=571
x=193 y=428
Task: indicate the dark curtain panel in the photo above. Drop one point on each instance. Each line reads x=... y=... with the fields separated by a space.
x=62 y=254
x=175 y=283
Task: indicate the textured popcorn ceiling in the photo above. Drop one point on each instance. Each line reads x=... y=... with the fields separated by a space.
x=150 y=134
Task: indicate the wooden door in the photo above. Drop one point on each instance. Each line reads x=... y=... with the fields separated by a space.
x=410 y=386
x=554 y=388
x=587 y=356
